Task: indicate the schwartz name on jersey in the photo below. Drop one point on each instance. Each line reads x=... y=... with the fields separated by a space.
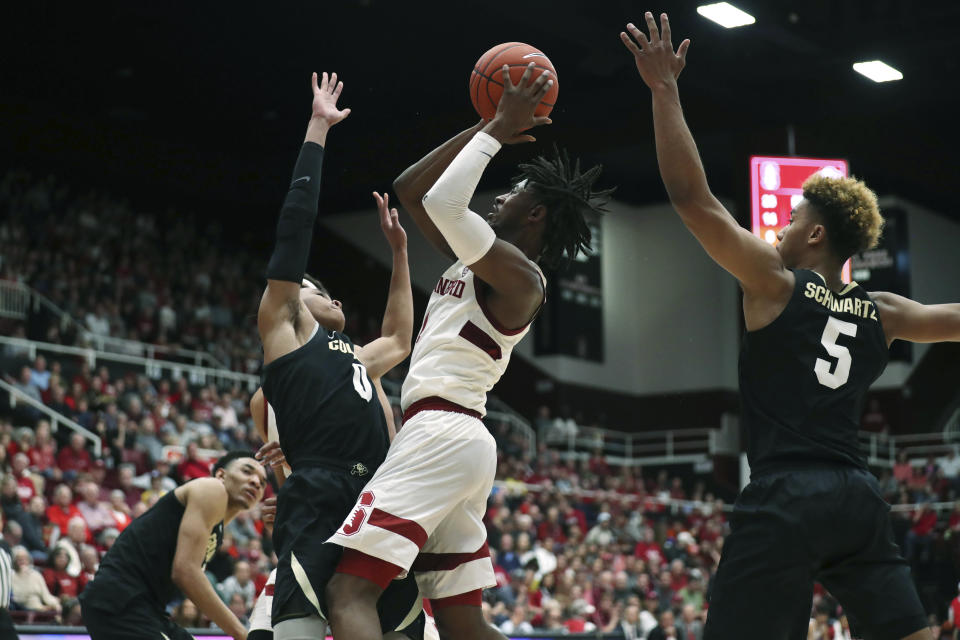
x=461 y=350
x=804 y=377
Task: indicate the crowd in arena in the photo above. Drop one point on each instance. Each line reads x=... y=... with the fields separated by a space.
x=578 y=545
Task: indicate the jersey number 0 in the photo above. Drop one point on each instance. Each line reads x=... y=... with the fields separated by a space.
x=838 y=377
x=360 y=381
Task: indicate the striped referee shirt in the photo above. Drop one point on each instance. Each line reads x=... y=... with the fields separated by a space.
x=6 y=573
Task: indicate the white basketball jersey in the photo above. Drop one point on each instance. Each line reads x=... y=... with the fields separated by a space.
x=461 y=350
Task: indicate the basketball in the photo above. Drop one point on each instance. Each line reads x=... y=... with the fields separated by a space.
x=486 y=79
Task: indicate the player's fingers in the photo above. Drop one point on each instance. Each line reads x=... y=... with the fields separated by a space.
x=682 y=50
x=313 y=83
x=665 y=30
x=507 y=80
x=527 y=73
x=652 y=27
x=323 y=81
x=378 y=200
x=338 y=90
x=333 y=82
x=344 y=113
x=630 y=44
x=639 y=36
x=541 y=120
x=541 y=80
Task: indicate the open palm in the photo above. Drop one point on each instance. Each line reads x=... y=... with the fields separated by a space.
x=325 y=98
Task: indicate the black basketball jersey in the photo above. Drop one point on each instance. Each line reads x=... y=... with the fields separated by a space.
x=327 y=409
x=141 y=560
x=803 y=378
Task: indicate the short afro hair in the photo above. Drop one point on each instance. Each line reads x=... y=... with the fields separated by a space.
x=849 y=211
x=229 y=457
x=568 y=195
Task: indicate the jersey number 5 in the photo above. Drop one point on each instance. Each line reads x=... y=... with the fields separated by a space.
x=360 y=381
x=841 y=372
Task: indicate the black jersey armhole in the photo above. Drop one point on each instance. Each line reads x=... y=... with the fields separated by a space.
x=776 y=322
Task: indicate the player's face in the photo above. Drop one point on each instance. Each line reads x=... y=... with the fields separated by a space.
x=510 y=210
x=793 y=237
x=245 y=481
x=326 y=311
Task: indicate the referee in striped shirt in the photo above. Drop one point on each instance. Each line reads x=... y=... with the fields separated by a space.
x=6 y=574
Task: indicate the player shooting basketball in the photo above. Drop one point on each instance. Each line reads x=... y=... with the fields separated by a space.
x=813 y=345
x=481 y=309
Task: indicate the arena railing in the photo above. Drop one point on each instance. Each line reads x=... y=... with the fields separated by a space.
x=56 y=419
x=662 y=446
x=17 y=299
x=152 y=368
x=881 y=449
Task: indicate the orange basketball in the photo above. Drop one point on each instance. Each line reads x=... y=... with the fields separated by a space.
x=486 y=79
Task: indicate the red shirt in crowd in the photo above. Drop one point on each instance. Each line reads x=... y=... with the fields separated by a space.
x=191 y=469
x=646 y=550
x=551 y=530
x=926 y=523
x=43 y=457
x=60 y=517
x=575 y=517
x=70 y=459
x=25 y=488
x=61 y=583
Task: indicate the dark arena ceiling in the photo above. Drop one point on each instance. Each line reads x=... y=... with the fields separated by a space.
x=202 y=106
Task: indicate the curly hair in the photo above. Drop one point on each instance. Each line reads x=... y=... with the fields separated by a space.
x=568 y=195
x=849 y=211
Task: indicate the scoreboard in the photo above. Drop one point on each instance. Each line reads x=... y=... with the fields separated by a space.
x=776 y=187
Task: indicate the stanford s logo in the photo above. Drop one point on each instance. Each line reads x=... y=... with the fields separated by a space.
x=359 y=515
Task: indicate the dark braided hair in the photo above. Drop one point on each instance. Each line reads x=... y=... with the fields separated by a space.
x=568 y=196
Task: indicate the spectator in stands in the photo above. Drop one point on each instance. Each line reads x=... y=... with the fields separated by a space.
x=690 y=626
x=629 y=625
x=62 y=510
x=156 y=489
x=60 y=583
x=96 y=514
x=75 y=458
x=920 y=535
x=601 y=534
x=517 y=623
x=694 y=592
x=950 y=464
x=131 y=493
x=240 y=582
x=43 y=453
x=29 y=590
x=12 y=533
x=648 y=616
x=902 y=470
x=89 y=562
x=25 y=384
x=147 y=440
x=192 y=466
x=77 y=536
x=187 y=615
x=667 y=629
x=33 y=522
x=120 y=510
x=873 y=418
x=27 y=484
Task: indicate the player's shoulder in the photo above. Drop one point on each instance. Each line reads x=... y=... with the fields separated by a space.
x=201 y=489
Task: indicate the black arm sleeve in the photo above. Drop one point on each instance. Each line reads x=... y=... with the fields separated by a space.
x=295 y=227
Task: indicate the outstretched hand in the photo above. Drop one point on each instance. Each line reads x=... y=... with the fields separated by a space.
x=270 y=454
x=325 y=96
x=656 y=60
x=517 y=104
x=390 y=223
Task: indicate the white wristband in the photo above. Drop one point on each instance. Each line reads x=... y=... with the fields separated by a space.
x=448 y=201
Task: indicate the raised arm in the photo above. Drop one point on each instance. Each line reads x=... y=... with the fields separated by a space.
x=283 y=320
x=514 y=278
x=906 y=319
x=755 y=263
x=206 y=505
x=411 y=185
x=396 y=331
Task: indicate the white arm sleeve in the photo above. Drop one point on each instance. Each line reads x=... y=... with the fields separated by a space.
x=448 y=201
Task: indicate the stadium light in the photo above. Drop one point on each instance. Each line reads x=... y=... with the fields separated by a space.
x=877 y=70
x=725 y=14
